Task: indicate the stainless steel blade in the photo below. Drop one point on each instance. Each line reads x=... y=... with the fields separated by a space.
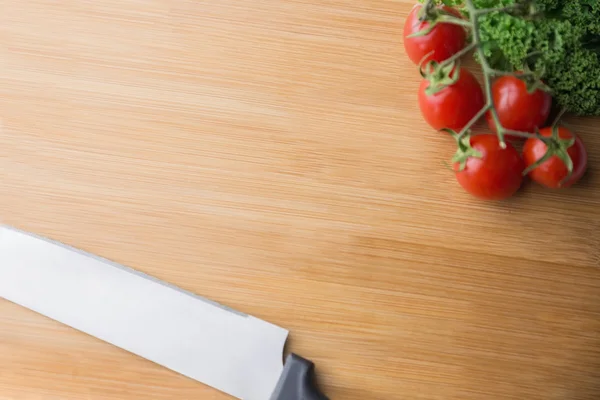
x=233 y=352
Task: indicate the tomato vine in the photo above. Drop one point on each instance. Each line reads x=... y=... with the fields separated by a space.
x=440 y=74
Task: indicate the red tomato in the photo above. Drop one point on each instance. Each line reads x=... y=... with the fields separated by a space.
x=454 y=106
x=497 y=175
x=517 y=109
x=553 y=171
x=444 y=40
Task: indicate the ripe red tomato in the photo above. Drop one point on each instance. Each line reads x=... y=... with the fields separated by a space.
x=497 y=175
x=444 y=40
x=454 y=106
x=553 y=171
x=517 y=109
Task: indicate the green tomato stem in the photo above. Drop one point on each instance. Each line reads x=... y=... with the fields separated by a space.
x=448 y=19
x=474 y=120
x=558 y=117
x=497 y=72
x=484 y=11
x=488 y=74
x=459 y=55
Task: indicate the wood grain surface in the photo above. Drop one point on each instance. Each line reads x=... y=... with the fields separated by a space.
x=270 y=155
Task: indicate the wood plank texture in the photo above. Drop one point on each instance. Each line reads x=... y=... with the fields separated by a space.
x=270 y=155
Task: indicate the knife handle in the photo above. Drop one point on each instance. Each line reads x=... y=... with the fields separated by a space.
x=297 y=381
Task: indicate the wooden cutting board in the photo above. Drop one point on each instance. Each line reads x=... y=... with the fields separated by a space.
x=270 y=155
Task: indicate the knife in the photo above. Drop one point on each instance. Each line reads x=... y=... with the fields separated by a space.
x=233 y=352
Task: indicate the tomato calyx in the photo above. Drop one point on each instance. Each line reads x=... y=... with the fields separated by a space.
x=533 y=80
x=434 y=15
x=558 y=147
x=555 y=146
x=427 y=12
x=464 y=149
x=440 y=76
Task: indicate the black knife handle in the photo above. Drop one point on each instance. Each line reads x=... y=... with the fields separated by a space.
x=297 y=382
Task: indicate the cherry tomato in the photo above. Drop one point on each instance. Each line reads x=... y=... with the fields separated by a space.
x=454 y=106
x=444 y=40
x=517 y=109
x=497 y=175
x=553 y=171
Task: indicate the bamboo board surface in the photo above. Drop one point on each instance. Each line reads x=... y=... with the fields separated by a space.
x=270 y=155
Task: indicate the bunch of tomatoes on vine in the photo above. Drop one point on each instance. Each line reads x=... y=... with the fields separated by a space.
x=515 y=104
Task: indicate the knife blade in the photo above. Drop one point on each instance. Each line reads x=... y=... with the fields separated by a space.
x=233 y=352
